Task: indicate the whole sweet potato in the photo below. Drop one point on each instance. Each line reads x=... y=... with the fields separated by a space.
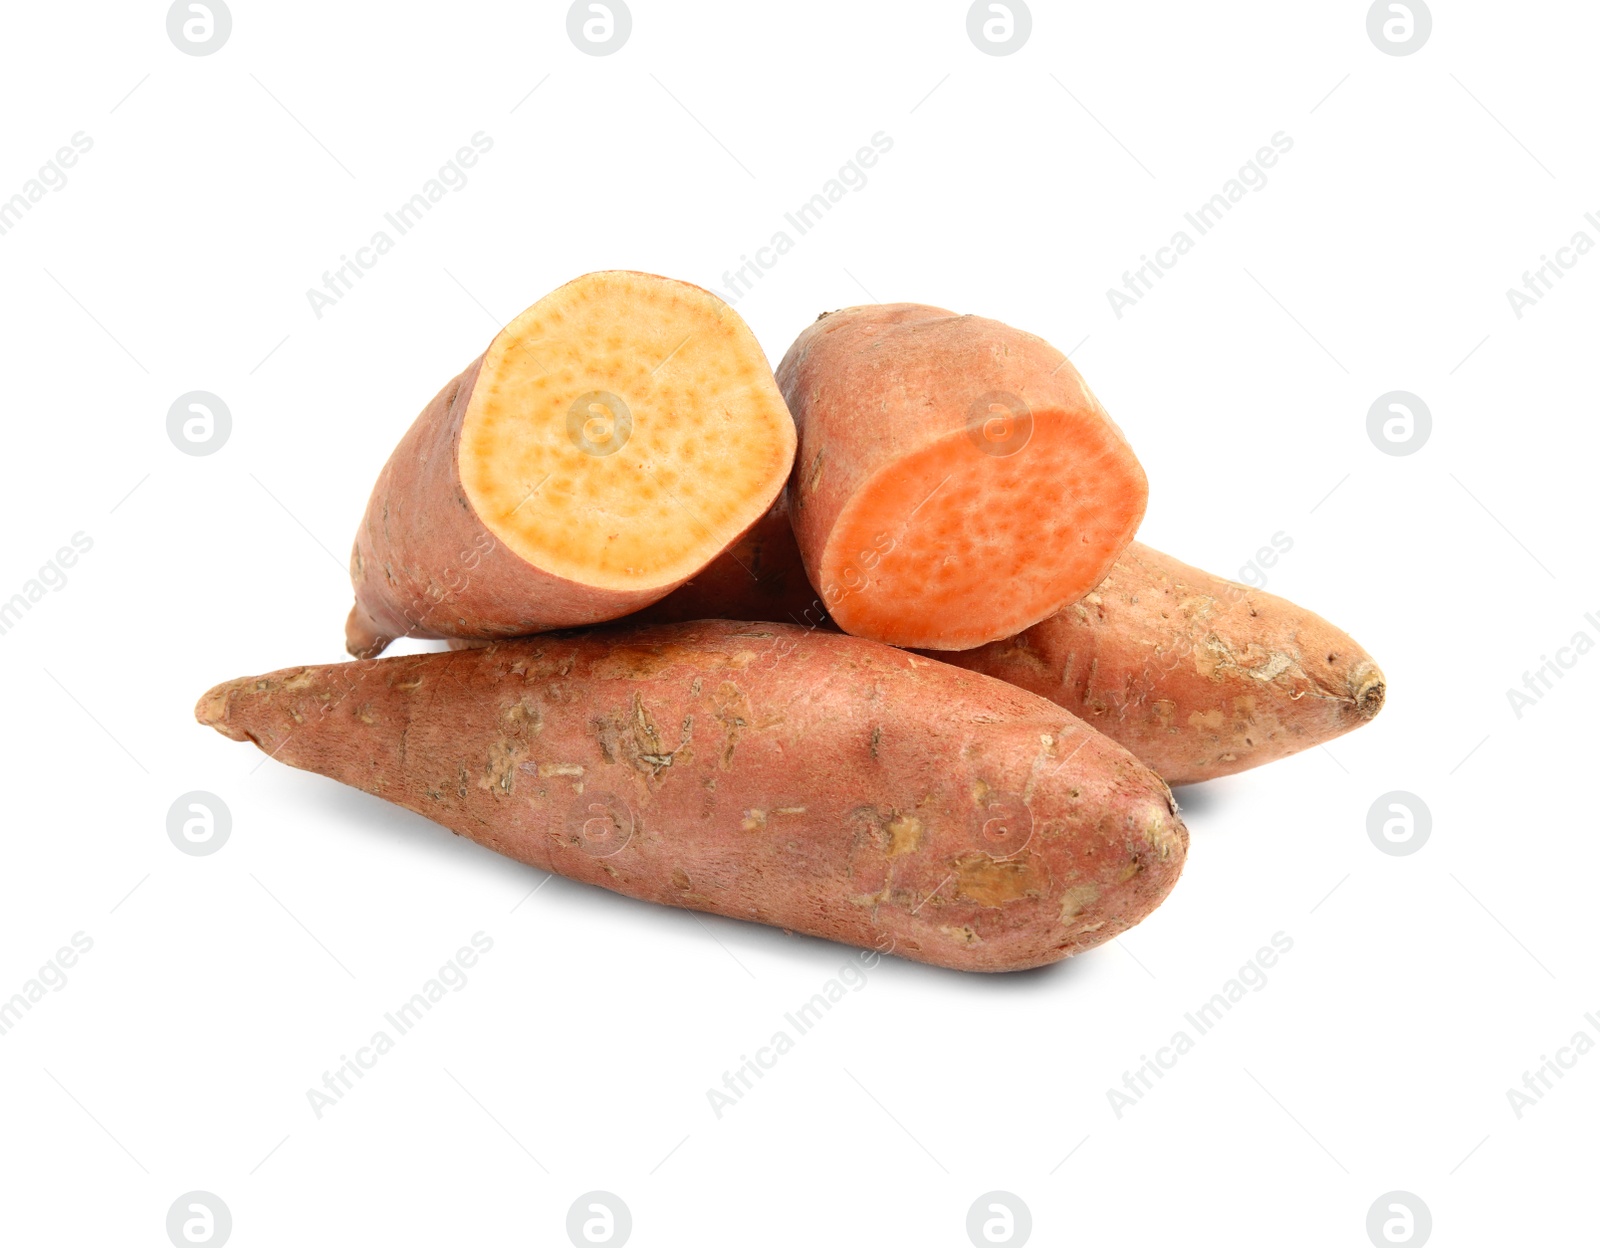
x=1199 y=676
x=812 y=781
x=955 y=480
x=614 y=439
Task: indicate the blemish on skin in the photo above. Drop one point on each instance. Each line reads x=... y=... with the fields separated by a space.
x=905 y=835
x=525 y=715
x=993 y=882
x=1206 y=719
x=961 y=935
x=500 y=769
x=1163 y=837
x=754 y=820
x=816 y=470
x=1077 y=899
x=680 y=879
x=546 y=770
x=790 y=810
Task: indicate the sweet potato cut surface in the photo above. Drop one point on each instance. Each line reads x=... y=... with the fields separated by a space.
x=955 y=480
x=612 y=441
x=811 y=781
x=1198 y=676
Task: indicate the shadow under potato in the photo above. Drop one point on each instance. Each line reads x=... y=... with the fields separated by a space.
x=1204 y=799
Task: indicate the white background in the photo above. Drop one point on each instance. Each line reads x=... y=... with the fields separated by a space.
x=220 y=988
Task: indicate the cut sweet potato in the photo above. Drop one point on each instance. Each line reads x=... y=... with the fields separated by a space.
x=808 y=780
x=955 y=480
x=1199 y=676
x=613 y=440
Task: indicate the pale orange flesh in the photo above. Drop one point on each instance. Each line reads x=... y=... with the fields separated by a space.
x=623 y=431
x=947 y=547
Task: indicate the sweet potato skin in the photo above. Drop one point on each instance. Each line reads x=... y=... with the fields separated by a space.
x=811 y=781
x=1198 y=676
x=425 y=565
x=759 y=577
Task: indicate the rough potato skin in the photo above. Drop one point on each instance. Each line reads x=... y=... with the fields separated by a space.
x=812 y=781
x=1198 y=676
x=425 y=565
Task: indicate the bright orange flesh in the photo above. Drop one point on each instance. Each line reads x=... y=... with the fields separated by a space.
x=623 y=431
x=947 y=547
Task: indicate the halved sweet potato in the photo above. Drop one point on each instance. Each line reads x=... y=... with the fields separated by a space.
x=613 y=440
x=955 y=480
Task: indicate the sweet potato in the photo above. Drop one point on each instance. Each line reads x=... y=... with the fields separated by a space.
x=812 y=781
x=955 y=480
x=613 y=440
x=1198 y=676
x=759 y=577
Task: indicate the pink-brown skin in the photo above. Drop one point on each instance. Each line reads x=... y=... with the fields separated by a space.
x=425 y=565
x=759 y=577
x=1198 y=676
x=869 y=386
x=812 y=781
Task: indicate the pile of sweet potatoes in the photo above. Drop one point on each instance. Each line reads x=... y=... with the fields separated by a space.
x=864 y=649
